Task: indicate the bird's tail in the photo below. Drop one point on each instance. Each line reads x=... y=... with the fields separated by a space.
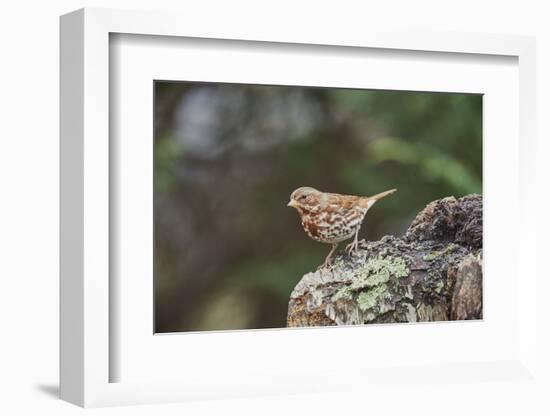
x=382 y=194
x=369 y=201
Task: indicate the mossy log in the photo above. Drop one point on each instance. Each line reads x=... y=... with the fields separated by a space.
x=432 y=273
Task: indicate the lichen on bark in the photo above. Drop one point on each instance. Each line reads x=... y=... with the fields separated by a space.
x=432 y=273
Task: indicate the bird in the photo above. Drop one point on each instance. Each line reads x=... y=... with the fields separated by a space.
x=331 y=218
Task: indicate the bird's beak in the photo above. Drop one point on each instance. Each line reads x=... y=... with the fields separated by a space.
x=291 y=203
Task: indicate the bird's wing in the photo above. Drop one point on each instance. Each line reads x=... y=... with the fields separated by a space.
x=341 y=204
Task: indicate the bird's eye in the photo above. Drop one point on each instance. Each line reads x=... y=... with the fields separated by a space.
x=303 y=197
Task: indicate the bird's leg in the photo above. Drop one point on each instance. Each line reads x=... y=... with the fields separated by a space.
x=328 y=260
x=351 y=247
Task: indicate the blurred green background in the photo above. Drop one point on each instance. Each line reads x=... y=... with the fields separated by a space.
x=228 y=251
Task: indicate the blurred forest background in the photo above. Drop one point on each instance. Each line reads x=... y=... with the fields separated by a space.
x=228 y=251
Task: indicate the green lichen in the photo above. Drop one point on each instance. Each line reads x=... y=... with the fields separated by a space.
x=450 y=248
x=370 y=280
x=378 y=271
x=343 y=293
x=434 y=255
x=439 y=287
x=368 y=299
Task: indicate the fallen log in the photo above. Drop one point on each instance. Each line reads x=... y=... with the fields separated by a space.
x=432 y=273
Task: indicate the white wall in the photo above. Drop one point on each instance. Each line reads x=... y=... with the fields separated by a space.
x=29 y=185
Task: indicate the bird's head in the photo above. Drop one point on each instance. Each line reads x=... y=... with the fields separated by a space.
x=304 y=198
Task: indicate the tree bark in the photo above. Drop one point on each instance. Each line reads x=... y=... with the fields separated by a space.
x=432 y=273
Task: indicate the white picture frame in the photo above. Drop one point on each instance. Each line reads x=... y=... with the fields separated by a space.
x=86 y=305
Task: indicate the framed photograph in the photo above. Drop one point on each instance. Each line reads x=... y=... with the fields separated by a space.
x=230 y=159
x=267 y=212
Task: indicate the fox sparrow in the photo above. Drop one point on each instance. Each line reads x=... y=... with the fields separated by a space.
x=332 y=218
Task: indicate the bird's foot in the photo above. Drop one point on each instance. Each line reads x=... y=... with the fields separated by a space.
x=327 y=266
x=351 y=248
